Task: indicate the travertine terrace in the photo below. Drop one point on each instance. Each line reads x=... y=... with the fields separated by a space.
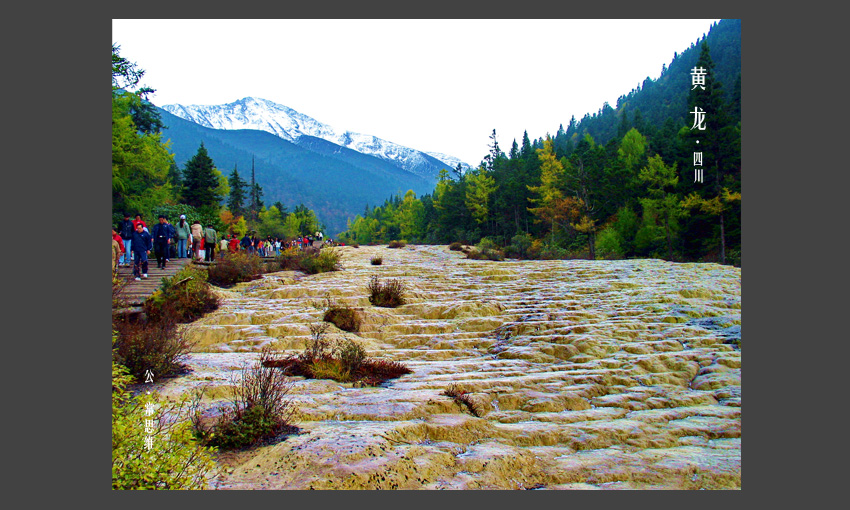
x=590 y=375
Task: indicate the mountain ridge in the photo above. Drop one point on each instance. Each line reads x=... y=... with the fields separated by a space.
x=323 y=176
x=265 y=115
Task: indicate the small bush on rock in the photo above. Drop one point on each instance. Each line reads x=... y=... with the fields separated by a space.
x=290 y=259
x=310 y=260
x=326 y=260
x=234 y=268
x=388 y=295
x=376 y=260
x=463 y=399
x=185 y=297
x=486 y=250
x=397 y=244
x=159 y=346
x=344 y=317
x=340 y=360
x=259 y=412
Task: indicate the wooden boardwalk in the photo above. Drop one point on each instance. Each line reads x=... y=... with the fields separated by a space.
x=135 y=292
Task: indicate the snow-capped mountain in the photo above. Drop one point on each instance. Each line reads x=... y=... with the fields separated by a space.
x=453 y=161
x=265 y=115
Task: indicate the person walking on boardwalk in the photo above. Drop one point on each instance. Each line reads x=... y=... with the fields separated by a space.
x=222 y=247
x=246 y=243
x=126 y=229
x=197 y=234
x=140 y=220
x=142 y=244
x=184 y=233
x=117 y=250
x=161 y=234
x=210 y=240
x=172 y=241
x=233 y=245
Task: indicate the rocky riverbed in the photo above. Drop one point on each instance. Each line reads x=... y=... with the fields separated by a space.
x=588 y=374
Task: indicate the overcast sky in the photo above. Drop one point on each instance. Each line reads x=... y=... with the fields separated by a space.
x=432 y=85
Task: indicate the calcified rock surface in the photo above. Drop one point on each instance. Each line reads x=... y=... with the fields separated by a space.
x=589 y=374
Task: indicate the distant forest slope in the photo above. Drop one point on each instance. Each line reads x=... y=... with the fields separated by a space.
x=656 y=105
x=621 y=183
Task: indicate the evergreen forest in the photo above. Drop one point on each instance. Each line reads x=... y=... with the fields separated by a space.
x=619 y=183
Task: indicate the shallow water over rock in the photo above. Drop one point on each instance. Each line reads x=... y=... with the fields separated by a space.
x=589 y=374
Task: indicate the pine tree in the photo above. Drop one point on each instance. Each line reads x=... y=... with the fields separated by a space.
x=282 y=208
x=623 y=128
x=735 y=104
x=585 y=180
x=661 y=203
x=495 y=153
x=526 y=151
x=200 y=182
x=176 y=179
x=256 y=193
x=236 y=201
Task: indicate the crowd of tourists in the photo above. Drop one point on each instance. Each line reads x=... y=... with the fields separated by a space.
x=132 y=242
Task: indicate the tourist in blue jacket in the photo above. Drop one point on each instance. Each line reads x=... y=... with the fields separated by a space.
x=142 y=244
x=161 y=233
x=126 y=229
x=247 y=244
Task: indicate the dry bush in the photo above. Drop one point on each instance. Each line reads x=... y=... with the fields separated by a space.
x=376 y=260
x=397 y=244
x=377 y=371
x=159 y=346
x=324 y=261
x=387 y=295
x=310 y=260
x=463 y=398
x=340 y=360
x=344 y=317
x=234 y=268
x=258 y=412
x=290 y=259
x=455 y=246
x=350 y=354
x=318 y=346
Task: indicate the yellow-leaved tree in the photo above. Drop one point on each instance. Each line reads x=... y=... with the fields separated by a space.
x=549 y=207
x=480 y=185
